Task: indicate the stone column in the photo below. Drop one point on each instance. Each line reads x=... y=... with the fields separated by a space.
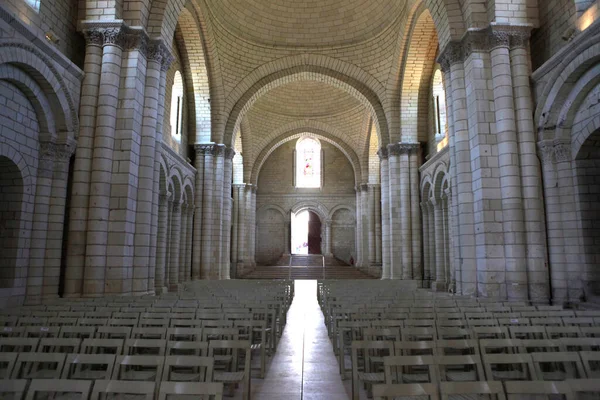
x=427 y=262
x=513 y=226
x=417 y=262
x=252 y=228
x=189 y=249
x=39 y=230
x=432 y=245
x=378 y=225
x=206 y=153
x=358 y=233
x=174 y=245
x=288 y=233
x=405 y=210
x=371 y=220
x=96 y=282
x=241 y=231
x=234 y=228
x=198 y=268
x=248 y=229
x=78 y=213
x=531 y=176
x=440 y=279
x=183 y=244
x=449 y=240
x=364 y=207
x=446 y=258
x=386 y=271
x=328 y=239
x=161 y=240
x=217 y=211
x=394 y=205
x=56 y=219
x=227 y=211
x=144 y=263
x=169 y=248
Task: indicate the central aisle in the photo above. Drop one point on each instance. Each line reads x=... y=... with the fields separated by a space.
x=304 y=366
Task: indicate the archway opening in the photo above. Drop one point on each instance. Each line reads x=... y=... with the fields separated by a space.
x=587 y=177
x=11 y=199
x=306 y=233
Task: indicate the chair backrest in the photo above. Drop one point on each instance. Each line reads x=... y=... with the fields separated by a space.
x=81 y=332
x=508 y=367
x=154 y=347
x=493 y=390
x=188 y=369
x=490 y=332
x=527 y=332
x=209 y=334
x=417 y=367
x=7 y=363
x=493 y=346
x=457 y=347
x=113 y=332
x=59 y=386
x=16 y=387
x=38 y=365
x=415 y=348
x=42 y=331
x=145 y=390
x=88 y=366
x=205 y=391
x=556 y=332
x=584 y=388
x=392 y=334
x=138 y=368
x=459 y=368
x=580 y=344
x=419 y=334
x=519 y=390
x=184 y=334
x=59 y=345
x=12 y=331
x=591 y=360
x=102 y=346
x=444 y=333
x=233 y=347
x=409 y=391
x=558 y=366
x=18 y=344
x=149 y=333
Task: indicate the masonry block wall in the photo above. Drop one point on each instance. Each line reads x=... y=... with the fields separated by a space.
x=277 y=196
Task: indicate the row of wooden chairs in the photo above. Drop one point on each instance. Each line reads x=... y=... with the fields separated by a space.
x=573 y=389
x=23 y=389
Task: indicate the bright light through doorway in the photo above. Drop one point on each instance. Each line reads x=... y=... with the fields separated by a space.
x=300 y=232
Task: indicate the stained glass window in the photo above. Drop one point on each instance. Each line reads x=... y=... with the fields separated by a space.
x=308 y=163
x=177 y=106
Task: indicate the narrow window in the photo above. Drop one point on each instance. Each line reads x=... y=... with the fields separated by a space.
x=177 y=106
x=308 y=163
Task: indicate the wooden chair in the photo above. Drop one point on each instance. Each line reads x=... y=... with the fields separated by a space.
x=102 y=346
x=405 y=391
x=113 y=332
x=591 y=360
x=7 y=364
x=89 y=366
x=38 y=366
x=490 y=332
x=519 y=390
x=527 y=332
x=59 y=345
x=369 y=355
x=416 y=348
x=18 y=344
x=410 y=369
x=138 y=368
x=233 y=374
x=13 y=389
x=508 y=367
x=156 y=333
x=492 y=390
x=42 y=331
x=558 y=366
x=495 y=346
x=192 y=348
x=557 y=332
x=184 y=334
x=153 y=347
x=187 y=390
x=585 y=389
x=123 y=389
x=457 y=347
x=62 y=388
x=188 y=369
x=79 y=332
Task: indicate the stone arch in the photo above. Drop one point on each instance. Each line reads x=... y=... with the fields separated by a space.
x=296 y=133
x=311 y=205
x=339 y=208
x=188 y=189
x=342 y=80
x=426 y=188
x=416 y=75
x=275 y=207
x=176 y=180
x=448 y=18
x=36 y=97
x=18 y=192
x=438 y=178
x=28 y=58
x=581 y=137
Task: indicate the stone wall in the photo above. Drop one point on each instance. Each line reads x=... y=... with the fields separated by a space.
x=277 y=196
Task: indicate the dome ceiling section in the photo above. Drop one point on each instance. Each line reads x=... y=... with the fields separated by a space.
x=306 y=99
x=308 y=23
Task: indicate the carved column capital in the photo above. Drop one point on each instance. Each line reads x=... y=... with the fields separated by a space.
x=383 y=153
x=364 y=187
x=451 y=54
x=229 y=153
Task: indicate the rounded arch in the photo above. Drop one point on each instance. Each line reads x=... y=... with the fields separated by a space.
x=265 y=207
x=561 y=82
x=439 y=175
x=311 y=205
x=340 y=207
x=341 y=80
x=188 y=189
x=28 y=58
x=296 y=133
x=426 y=185
x=36 y=97
x=581 y=137
x=175 y=178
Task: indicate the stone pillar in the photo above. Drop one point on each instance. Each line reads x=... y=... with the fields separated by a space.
x=169 y=248
x=198 y=271
x=78 y=213
x=252 y=228
x=417 y=262
x=241 y=231
x=327 y=252
x=56 y=220
x=217 y=211
x=427 y=262
x=234 y=228
x=358 y=233
x=432 y=245
x=96 y=281
x=248 y=229
x=288 y=234
x=364 y=225
x=144 y=263
x=440 y=278
x=445 y=241
x=405 y=210
x=371 y=220
x=378 y=225
x=39 y=230
x=182 y=244
x=174 y=245
x=394 y=205
x=227 y=211
x=206 y=153
x=161 y=240
x=189 y=249
x=513 y=226
x=386 y=271
x=449 y=240
x=531 y=176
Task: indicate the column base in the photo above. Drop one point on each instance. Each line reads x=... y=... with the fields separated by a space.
x=438 y=286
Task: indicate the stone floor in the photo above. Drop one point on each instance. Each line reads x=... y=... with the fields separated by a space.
x=304 y=366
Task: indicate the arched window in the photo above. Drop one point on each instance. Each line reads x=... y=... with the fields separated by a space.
x=439 y=111
x=308 y=163
x=177 y=106
x=35 y=4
